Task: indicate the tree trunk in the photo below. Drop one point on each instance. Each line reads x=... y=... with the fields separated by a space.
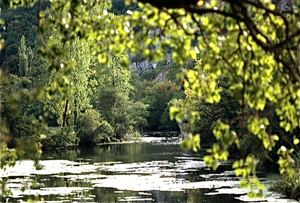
x=65 y=115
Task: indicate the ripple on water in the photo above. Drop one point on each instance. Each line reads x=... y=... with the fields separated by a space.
x=134 y=199
x=62 y=191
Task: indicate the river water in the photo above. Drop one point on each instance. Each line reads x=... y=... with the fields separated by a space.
x=155 y=170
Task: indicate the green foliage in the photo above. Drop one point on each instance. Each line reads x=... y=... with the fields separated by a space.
x=8 y=156
x=247 y=168
x=149 y=74
x=162 y=71
x=250 y=144
x=104 y=133
x=138 y=112
x=59 y=138
x=18 y=22
x=127 y=116
x=158 y=97
x=286 y=161
x=92 y=129
x=219 y=151
x=254 y=46
x=116 y=98
x=77 y=85
x=289 y=186
x=88 y=127
x=23 y=59
x=254 y=74
x=132 y=134
x=15 y=98
x=165 y=122
x=191 y=142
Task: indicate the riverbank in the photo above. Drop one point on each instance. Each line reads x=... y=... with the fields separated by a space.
x=62 y=143
x=145 y=138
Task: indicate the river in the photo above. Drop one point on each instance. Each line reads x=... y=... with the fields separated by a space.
x=154 y=170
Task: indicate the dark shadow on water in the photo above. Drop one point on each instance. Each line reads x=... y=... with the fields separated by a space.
x=191 y=196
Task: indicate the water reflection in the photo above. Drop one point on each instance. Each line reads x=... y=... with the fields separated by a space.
x=135 y=172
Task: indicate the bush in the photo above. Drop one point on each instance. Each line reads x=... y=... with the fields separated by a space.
x=87 y=123
x=132 y=134
x=57 y=138
x=289 y=186
x=104 y=133
x=92 y=129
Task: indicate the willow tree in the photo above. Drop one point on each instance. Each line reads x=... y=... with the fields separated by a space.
x=253 y=43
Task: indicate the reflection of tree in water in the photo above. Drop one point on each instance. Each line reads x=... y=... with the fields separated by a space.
x=50 y=183
x=113 y=195
x=62 y=154
x=169 y=196
x=200 y=196
x=192 y=196
x=112 y=152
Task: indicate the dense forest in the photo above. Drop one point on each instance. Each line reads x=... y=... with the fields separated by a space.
x=108 y=103
x=84 y=98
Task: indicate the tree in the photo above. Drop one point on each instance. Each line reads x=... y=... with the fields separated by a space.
x=80 y=75
x=78 y=81
x=115 y=98
x=261 y=68
x=30 y=56
x=17 y=22
x=157 y=96
x=253 y=44
x=23 y=59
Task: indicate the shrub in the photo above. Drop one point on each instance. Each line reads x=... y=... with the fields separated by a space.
x=104 y=133
x=87 y=123
x=132 y=134
x=289 y=186
x=57 y=138
x=93 y=129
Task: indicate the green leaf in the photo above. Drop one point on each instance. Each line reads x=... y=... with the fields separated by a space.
x=243 y=183
x=186 y=145
x=205 y=21
x=42 y=14
x=275 y=137
x=174 y=111
x=102 y=58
